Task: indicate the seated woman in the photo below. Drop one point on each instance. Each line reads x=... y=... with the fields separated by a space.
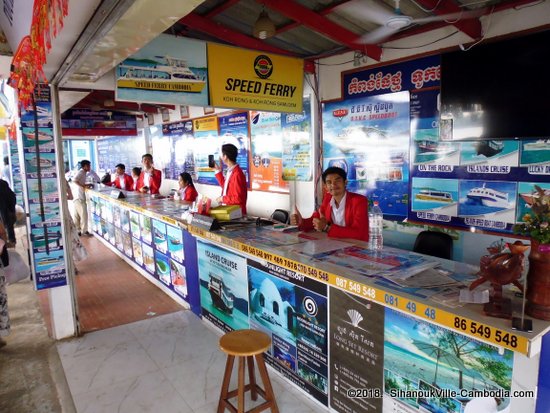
x=187 y=194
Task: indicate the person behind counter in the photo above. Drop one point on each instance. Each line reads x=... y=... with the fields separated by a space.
x=234 y=189
x=136 y=172
x=122 y=179
x=187 y=194
x=342 y=214
x=150 y=178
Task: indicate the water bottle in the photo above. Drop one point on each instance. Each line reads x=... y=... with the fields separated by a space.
x=376 y=227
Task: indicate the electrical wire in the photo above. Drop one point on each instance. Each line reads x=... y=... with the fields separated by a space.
x=423 y=45
x=484 y=31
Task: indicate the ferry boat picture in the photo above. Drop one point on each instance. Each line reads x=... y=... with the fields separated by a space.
x=221 y=294
x=434 y=195
x=42 y=136
x=488 y=197
x=170 y=74
x=489 y=148
x=539 y=145
x=44 y=163
x=427 y=145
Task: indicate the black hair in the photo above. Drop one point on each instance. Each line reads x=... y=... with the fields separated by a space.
x=84 y=163
x=6 y=160
x=230 y=151
x=186 y=177
x=334 y=170
x=147 y=155
x=121 y=166
x=136 y=170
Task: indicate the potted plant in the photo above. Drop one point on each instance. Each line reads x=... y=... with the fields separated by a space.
x=536 y=225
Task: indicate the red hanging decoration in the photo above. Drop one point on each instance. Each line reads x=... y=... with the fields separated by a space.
x=28 y=61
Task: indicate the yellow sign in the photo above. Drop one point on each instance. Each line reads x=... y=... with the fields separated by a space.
x=249 y=79
x=206 y=124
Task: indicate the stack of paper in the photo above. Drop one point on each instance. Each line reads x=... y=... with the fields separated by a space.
x=226 y=212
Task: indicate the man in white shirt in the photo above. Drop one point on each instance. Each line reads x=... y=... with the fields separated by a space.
x=80 y=204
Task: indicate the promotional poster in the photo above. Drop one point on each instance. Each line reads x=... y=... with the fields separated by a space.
x=266 y=152
x=369 y=139
x=297 y=148
x=292 y=309
x=223 y=287
x=169 y=69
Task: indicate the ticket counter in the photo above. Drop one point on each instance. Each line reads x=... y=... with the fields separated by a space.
x=353 y=341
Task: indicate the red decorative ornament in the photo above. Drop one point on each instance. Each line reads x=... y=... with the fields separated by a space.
x=30 y=57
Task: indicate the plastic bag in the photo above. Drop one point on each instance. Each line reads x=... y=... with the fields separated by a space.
x=78 y=249
x=17 y=270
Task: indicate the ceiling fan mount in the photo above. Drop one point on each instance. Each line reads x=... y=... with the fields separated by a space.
x=390 y=22
x=398 y=22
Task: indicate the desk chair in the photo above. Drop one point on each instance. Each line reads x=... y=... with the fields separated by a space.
x=434 y=243
x=280 y=215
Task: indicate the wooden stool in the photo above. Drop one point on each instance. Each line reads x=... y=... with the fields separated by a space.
x=246 y=344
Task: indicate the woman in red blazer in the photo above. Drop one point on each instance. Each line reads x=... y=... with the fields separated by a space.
x=234 y=188
x=351 y=222
x=187 y=194
x=150 y=174
x=122 y=180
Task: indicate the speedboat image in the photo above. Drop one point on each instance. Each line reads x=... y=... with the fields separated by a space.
x=174 y=241
x=427 y=146
x=434 y=195
x=530 y=197
x=172 y=74
x=539 y=145
x=488 y=197
x=159 y=236
x=221 y=295
x=489 y=148
x=44 y=163
x=351 y=138
x=42 y=137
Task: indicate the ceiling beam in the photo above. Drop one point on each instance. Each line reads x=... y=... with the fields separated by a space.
x=470 y=26
x=221 y=8
x=323 y=12
x=202 y=24
x=322 y=25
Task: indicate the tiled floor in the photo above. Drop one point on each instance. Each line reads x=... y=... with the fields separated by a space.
x=141 y=351
x=111 y=293
x=170 y=363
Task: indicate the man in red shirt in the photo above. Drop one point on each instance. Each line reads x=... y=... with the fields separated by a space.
x=122 y=179
x=342 y=214
x=150 y=178
x=234 y=189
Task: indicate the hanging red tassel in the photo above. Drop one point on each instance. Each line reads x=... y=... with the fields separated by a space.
x=28 y=61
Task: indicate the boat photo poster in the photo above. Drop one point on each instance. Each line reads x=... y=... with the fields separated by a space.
x=39 y=168
x=368 y=137
x=169 y=69
x=223 y=287
x=494 y=177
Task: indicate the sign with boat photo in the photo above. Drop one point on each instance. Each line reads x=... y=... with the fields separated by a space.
x=488 y=204
x=437 y=197
x=535 y=160
x=169 y=69
x=489 y=157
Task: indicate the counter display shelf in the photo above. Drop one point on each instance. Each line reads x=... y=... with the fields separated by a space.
x=148 y=234
x=353 y=341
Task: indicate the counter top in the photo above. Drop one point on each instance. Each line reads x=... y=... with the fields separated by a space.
x=296 y=252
